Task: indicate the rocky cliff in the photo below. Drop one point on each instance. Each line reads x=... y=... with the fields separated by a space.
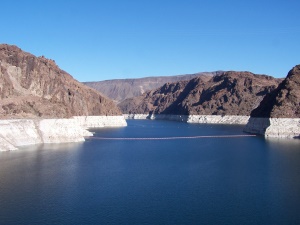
x=284 y=101
x=278 y=114
x=121 y=89
x=228 y=93
x=34 y=87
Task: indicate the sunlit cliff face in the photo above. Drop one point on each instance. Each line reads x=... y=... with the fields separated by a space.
x=33 y=87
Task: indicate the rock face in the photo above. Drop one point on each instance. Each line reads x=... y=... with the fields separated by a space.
x=284 y=101
x=274 y=127
x=121 y=89
x=229 y=93
x=32 y=87
x=278 y=114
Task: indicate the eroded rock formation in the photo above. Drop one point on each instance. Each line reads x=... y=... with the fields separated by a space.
x=284 y=101
x=34 y=87
x=229 y=93
x=278 y=114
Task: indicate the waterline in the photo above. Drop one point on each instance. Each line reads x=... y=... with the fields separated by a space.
x=174 y=138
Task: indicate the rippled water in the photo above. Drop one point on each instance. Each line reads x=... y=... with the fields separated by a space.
x=246 y=180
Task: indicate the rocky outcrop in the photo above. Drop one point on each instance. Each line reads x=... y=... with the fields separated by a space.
x=229 y=93
x=121 y=89
x=274 y=127
x=21 y=132
x=284 y=101
x=278 y=114
x=35 y=87
x=155 y=101
x=35 y=92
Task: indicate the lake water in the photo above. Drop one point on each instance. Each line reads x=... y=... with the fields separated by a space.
x=245 y=180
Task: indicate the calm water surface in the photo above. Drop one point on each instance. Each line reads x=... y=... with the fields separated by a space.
x=246 y=180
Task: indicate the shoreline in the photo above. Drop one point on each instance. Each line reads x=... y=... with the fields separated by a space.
x=22 y=132
x=288 y=128
x=274 y=127
x=213 y=119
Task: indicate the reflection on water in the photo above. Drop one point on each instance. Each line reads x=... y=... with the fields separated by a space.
x=247 y=180
x=283 y=144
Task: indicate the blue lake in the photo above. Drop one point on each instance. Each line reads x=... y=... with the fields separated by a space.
x=245 y=180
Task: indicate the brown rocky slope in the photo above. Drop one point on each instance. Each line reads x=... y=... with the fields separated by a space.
x=33 y=87
x=121 y=89
x=228 y=93
x=284 y=101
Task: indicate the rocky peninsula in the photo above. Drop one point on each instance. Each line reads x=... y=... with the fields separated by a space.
x=278 y=114
x=40 y=103
x=227 y=98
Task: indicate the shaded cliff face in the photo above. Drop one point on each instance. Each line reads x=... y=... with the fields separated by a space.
x=35 y=87
x=284 y=101
x=121 y=89
x=230 y=93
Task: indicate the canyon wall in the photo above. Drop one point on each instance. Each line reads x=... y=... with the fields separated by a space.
x=278 y=114
x=225 y=94
x=120 y=89
x=35 y=87
x=40 y=103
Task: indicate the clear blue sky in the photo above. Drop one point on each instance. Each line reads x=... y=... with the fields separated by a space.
x=98 y=40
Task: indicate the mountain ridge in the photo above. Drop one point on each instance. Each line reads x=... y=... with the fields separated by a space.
x=33 y=87
x=228 y=93
x=120 y=89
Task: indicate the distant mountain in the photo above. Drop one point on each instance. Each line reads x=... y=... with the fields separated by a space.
x=33 y=87
x=284 y=101
x=226 y=93
x=120 y=89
